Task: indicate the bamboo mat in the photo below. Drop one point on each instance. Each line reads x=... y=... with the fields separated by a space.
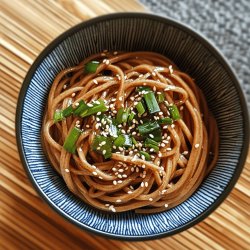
x=26 y=222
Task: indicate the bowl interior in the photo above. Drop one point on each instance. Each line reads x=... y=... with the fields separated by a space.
x=135 y=32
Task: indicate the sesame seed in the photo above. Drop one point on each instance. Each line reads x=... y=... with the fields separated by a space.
x=107 y=205
x=73 y=94
x=121 y=170
x=165 y=127
x=185 y=153
x=169 y=149
x=137 y=170
x=115 y=53
x=119 y=181
x=146 y=184
x=118 y=200
x=64 y=86
x=151 y=136
x=181 y=107
x=160 y=113
x=143 y=166
x=154 y=88
x=95 y=81
x=120 y=98
x=160 y=154
x=151 y=150
x=115 y=182
x=67 y=170
x=113 y=209
x=142 y=184
x=119 y=176
x=130 y=192
x=171 y=69
x=153 y=73
x=197 y=145
x=94 y=173
x=100 y=177
x=163 y=144
x=90 y=105
x=166 y=205
x=150 y=199
x=172 y=126
x=163 y=191
x=99 y=113
x=124 y=176
x=132 y=169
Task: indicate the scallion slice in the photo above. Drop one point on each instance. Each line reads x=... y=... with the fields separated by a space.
x=98 y=106
x=148 y=127
x=80 y=108
x=151 y=102
x=160 y=97
x=70 y=142
x=140 y=108
x=102 y=145
x=146 y=155
x=174 y=112
x=91 y=67
x=123 y=141
x=58 y=115
x=165 y=120
x=152 y=144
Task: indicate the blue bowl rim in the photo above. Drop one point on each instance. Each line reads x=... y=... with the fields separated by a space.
x=204 y=41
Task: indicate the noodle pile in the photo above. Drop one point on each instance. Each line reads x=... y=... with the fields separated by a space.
x=188 y=148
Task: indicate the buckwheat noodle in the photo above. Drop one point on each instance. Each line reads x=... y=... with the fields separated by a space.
x=126 y=181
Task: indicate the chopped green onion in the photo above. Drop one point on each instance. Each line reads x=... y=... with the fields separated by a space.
x=152 y=144
x=144 y=88
x=165 y=120
x=102 y=145
x=140 y=108
x=157 y=135
x=81 y=108
x=131 y=117
x=125 y=115
x=68 y=111
x=70 y=142
x=146 y=155
x=151 y=102
x=58 y=115
x=148 y=127
x=123 y=141
x=174 y=112
x=119 y=115
x=160 y=98
x=134 y=140
x=91 y=67
x=95 y=108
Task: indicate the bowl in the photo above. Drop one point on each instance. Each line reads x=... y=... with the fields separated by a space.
x=195 y=56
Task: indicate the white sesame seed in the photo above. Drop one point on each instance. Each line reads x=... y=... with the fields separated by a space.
x=115 y=182
x=113 y=209
x=99 y=113
x=163 y=144
x=115 y=53
x=160 y=154
x=185 y=153
x=67 y=170
x=154 y=88
x=80 y=149
x=166 y=205
x=146 y=184
x=142 y=184
x=107 y=205
x=181 y=107
x=64 y=86
x=73 y=94
x=120 y=98
x=94 y=173
x=137 y=170
x=151 y=136
x=165 y=127
x=119 y=181
x=100 y=177
x=132 y=169
x=171 y=69
x=172 y=126
x=150 y=199
x=153 y=73
x=197 y=145
x=124 y=176
x=119 y=176
x=118 y=200
x=169 y=149
x=90 y=105
x=130 y=192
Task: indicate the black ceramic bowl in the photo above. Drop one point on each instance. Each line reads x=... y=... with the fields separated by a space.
x=194 y=55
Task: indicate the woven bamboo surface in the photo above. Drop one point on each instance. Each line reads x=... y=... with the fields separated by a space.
x=26 y=222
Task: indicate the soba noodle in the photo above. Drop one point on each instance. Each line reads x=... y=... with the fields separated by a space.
x=129 y=131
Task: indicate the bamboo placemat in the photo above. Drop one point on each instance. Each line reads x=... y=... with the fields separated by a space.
x=26 y=222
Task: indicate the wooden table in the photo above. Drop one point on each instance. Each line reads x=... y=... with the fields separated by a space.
x=26 y=222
